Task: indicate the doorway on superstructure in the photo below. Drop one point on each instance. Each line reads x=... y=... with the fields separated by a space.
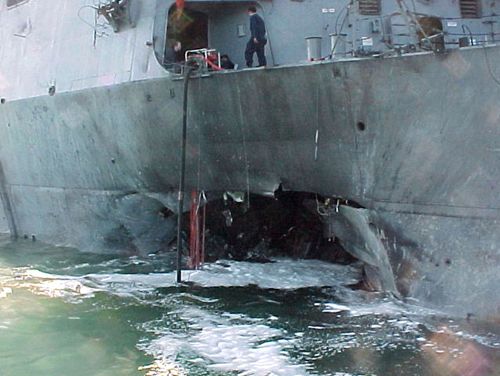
x=222 y=26
x=189 y=27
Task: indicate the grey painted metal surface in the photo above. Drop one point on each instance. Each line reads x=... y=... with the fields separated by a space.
x=354 y=228
x=85 y=166
x=7 y=213
x=450 y=263
x=61 y=43
x=4 y=226
x=64 y=44
x=290 y=22
x=412 y=138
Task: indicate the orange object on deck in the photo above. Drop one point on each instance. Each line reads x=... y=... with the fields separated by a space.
x=180 y=4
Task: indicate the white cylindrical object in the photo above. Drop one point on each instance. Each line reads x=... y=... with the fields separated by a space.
x=336 y=45
x=313 y=48
x=334 y=39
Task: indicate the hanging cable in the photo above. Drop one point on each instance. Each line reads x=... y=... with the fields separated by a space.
x=339 y=32
x=99 y=29
x=497 y=81
x=180 y=197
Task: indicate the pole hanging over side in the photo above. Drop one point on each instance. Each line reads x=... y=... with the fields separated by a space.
x=180 y=197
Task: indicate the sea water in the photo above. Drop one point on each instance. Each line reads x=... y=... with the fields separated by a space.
x=67 y=313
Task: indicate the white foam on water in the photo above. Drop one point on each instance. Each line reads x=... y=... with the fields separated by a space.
x=224 y=343
x=379 y=308
x=5 y=292
x=162 y=367
x=358 y=305
x=61 y=288
x=489 y=342
x=45 y=284
x=280 y=274
x=225 y=346
x=244 y=348
x=335 y=308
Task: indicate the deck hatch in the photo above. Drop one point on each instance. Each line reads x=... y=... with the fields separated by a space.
x=469 y=8
x=369 y=7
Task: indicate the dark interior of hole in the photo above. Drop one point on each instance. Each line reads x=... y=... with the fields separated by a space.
x=190 y=27
x=286 y=225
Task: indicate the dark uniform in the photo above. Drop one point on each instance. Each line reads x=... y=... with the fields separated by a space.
x=257 y=42
x=226 y=63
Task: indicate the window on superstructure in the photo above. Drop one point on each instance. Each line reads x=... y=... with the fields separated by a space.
x=470 y=8
x=369 y=7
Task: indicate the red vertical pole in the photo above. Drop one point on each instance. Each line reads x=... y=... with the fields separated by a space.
x=196 y=231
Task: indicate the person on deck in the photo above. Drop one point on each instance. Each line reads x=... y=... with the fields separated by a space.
x=226 y=63
x=258 y=40
x=172 y=55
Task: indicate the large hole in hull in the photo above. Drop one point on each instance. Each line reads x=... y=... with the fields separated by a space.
x=258 y=228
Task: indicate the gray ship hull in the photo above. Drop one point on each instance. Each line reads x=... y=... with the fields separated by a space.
x=414 y=140
x=4 y=227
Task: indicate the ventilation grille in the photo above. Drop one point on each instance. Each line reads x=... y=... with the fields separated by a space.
x=469 y=8
x=369 y=7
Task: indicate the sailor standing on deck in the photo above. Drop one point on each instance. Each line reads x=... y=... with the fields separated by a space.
x=258 y=39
